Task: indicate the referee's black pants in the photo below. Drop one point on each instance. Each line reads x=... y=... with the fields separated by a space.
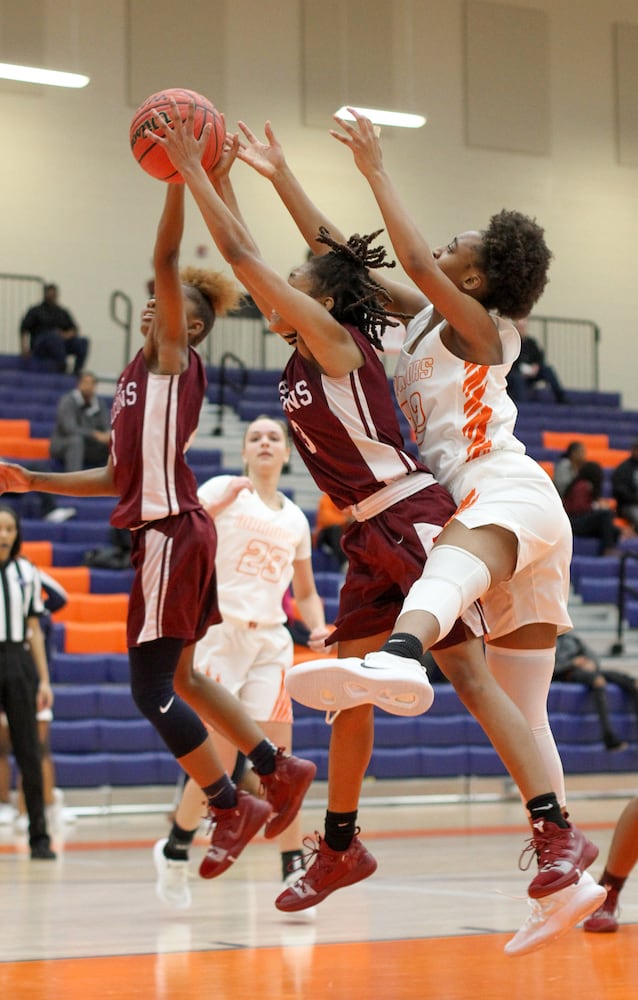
x=18 y=691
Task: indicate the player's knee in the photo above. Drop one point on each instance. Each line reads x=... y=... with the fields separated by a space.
x=453 y=579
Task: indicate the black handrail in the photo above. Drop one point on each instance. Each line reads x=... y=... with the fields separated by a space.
x=125 y=322
x=623 y=590
x=224 y=381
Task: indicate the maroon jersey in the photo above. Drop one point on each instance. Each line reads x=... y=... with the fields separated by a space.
x=153 y=418
x=346 y=429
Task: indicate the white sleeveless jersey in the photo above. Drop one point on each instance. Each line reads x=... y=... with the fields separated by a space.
x=256 y=548
x=459 y=410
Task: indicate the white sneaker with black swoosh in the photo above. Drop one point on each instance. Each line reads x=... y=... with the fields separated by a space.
x=395 y=684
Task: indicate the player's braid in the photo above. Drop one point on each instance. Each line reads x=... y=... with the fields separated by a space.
x=344 y=274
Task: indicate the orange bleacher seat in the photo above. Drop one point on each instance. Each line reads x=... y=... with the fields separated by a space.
x=105 y=637
x=609 y=458
x=74 y=579
x=548 y=467
x=25 y=447
x=94 y=609
x=14 y=429
x=559 y=440
x=40 y=553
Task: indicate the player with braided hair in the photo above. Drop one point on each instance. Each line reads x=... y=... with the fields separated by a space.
x=510 y=542
x=335 y=394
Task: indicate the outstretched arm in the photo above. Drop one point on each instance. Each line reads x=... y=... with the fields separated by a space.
x=85 y=483
x=464 y=314
x=326 y=340
x=166 y=346
x=268 y=159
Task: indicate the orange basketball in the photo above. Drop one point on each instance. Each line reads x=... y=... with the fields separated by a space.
x=154 y=113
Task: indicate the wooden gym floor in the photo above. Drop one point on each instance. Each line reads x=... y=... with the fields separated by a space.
x=432 y=922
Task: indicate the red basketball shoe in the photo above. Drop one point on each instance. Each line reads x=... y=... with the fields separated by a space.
x=233 y=829
x=329 y=871
x=285 y=789
x=563 y=854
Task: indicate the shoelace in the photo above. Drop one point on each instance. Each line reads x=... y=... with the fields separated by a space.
x=533 y=851
x=535 y=847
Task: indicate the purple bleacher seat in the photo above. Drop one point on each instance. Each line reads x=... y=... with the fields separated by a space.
x=110 y=581
x=597 y=590
x=77 y=736
x=134 y=768
x=127 y=736
x=78 y=668
x=92 y=534
x=78 y=771
x=115 y=701
x=586 y=546
x=484 y=761
x=69 y=553
x=75 y=701
x=329 y=584
x=118 y=669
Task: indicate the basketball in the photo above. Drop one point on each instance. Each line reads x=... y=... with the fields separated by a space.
x=154 y=113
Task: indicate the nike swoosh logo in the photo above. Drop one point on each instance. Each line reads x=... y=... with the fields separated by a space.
x=164 y=708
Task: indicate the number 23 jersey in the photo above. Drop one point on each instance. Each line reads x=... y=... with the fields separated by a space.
x=256 y=549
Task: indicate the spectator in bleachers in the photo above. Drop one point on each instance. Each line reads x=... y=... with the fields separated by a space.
x=578 y=664
x=624 y=487
x=25 y=688
x=329 y=527
x=530 y=368
x=80 y=438
x=568 y=466
x=48 y=331
x=588 y=513
x=621 y=860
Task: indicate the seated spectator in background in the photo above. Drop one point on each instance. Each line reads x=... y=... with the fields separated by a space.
x=80 y=438
x=530 y=368
x=578 y=664
x=568 y=466
x=117 y=555
x=589 y=515
x=624 y=487
x=329 y=527
x=48 y=331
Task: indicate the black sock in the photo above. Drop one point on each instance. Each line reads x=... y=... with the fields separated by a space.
x=340 y=830
x=263 y=756
x=291 y=861
x=614 y=882
x=239 y=768
x=546 y=807
x=403 y=644
x=222 y=794
x=178 y=842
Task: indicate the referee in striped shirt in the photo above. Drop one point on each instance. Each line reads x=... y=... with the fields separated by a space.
x=24 y=674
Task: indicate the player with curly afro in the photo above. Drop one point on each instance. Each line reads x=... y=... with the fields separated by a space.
x=509 y=543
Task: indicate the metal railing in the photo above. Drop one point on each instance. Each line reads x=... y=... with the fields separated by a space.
x=18 y=292
x=121 y=303
x=233 y=378
x=624 y=590
x=571 y=346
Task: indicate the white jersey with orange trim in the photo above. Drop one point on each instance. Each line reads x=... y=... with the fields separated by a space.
x=459 y=410
x=256 y=549
x=463 y=421
x=251 y=650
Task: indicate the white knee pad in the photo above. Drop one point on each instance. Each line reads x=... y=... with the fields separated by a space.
x=451 y=581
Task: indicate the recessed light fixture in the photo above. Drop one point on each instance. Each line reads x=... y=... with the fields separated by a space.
x=400 y=119
x=48 y=77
